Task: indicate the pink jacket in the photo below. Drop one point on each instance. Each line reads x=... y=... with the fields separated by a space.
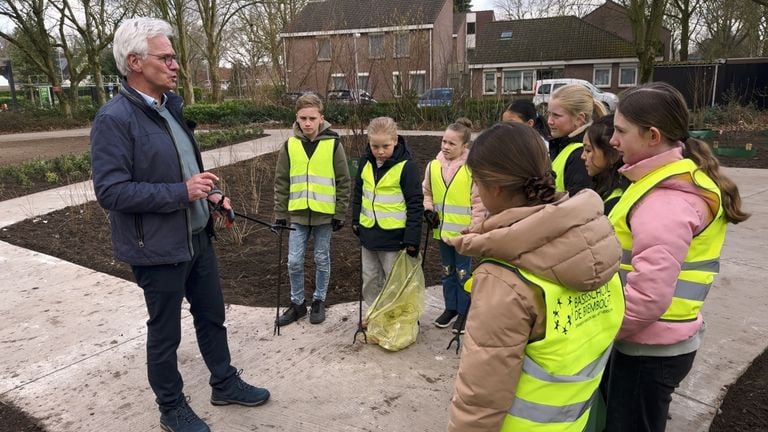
x=450 y=168
x=663 y=224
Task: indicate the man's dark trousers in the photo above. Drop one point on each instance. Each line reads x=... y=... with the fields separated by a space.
x=164 y=288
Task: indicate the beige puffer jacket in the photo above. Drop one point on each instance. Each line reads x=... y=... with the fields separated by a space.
x=569 y=242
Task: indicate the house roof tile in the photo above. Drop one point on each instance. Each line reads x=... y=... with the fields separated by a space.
x=546 y=39
x=360 y=14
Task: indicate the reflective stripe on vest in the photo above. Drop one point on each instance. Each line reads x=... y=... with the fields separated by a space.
x=313 y=180
x=702 y=262
x=383 y=203
x=561 y=373
x=558 y=165
x=453 y=202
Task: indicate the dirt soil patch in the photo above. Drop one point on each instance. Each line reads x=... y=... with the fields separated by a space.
x=16 y=152
x=248 y=255
x=249 y=268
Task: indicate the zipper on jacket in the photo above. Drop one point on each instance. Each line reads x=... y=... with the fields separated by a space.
x=139 y=230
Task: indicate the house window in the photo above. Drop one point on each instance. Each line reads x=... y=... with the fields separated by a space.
x=506 y=35
x=627 y=76
x=362 y=81
x=339 y=82
x=418 y=82
x=517 y=80
x=402 y=45
x=470 y=28
x=489 y=82
x=397 y=84
x=376 y=45
x=324 y=48
x=602 y=76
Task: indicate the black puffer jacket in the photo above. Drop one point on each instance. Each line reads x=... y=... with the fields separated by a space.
x=378 y=239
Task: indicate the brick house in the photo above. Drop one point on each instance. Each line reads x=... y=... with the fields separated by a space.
x=511 y=55
x=387 y=48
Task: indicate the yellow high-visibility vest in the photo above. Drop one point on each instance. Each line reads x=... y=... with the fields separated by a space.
x=453 y=202
x=383 y=203
x=313 y=180
x=561 y=372
x=558 y=165
x=702 y=262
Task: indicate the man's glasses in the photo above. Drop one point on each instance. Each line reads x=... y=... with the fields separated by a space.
x=169 y=59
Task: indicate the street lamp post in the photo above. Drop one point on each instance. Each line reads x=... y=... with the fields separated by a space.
x=357 y=90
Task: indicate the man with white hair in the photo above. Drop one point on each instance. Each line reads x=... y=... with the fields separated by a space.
x=148 y=172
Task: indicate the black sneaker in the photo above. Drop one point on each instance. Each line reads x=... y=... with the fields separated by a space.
x=317 y=312
x=293 y=313
x=182 y=419
x=239 y=392
x=458 y=325
x=444 y=320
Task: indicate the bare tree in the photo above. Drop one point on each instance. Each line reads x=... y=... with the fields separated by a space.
x=725 y=29
x=523 y=9
x=646 y=17
x=681 y=12
x=180 y=14
x=215 y=16
x=95 y=22
x=38 y=47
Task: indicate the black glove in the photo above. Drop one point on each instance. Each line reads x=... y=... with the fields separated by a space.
x=412 y=250
x=337 y=224
x=432 y=218
x=281 y=222
x=356 y=230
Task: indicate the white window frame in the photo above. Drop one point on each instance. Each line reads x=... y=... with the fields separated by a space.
x=495 y=82
x=624 y=67
x=398 y=48
x=320 y=42
x=379 y=37
x=521 y=75
x=343 y=80
x=421 y=73
x=397 y=91
x=367 y=81
x=598 y=67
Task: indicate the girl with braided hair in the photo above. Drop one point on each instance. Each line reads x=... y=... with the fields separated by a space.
x=546 y=301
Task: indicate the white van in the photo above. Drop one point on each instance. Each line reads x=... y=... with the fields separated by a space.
x=544 y=88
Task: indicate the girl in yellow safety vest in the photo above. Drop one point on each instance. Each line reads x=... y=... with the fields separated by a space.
x=570 y=112
x=450 y=206
x=671 y=225
x=603 y=162
x=546 y=301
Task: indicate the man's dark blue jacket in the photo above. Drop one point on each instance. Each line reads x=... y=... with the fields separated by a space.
x=137 y=176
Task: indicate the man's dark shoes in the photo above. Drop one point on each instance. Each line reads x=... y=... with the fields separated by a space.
x=458 y=325
x=182 y=419
x=237 y=391
x=317 y=312
x=444 y=320
x=293 y=313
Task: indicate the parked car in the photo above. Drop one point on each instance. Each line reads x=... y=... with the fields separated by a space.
x=348 y=97
x=440 y=96
x=289 y=98
x=542 y=89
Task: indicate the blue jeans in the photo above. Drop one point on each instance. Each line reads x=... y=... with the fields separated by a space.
x=297 y=245
x=456 y=270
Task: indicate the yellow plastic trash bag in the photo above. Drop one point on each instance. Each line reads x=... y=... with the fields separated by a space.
x=393 y=317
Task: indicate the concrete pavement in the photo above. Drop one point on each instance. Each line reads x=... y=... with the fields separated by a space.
x=73 y=342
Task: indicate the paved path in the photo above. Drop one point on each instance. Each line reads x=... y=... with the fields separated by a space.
x=73 y=342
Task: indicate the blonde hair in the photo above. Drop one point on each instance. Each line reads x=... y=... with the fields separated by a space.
x=577 y=99
x=463 y=127
x=383 y=126
x=309 y=100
